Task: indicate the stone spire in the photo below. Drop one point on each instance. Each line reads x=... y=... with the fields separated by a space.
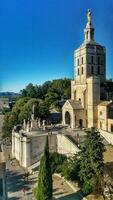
x=89 y=30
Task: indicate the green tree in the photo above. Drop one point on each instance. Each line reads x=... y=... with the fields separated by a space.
x=45 y=187
x=51 y=91
x=91 y=162
x=57 y=161
x=70 y=168
x=9 y=122
x=29 y=91
x=58 y=90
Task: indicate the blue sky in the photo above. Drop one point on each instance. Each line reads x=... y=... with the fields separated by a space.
x=38 y=38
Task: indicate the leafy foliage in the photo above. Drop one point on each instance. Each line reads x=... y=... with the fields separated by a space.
x=51 y=91
x=57 y=161
x=70 y=168
x=44 y=97
x=44 y=190
x=23 y=110
x=91 y=161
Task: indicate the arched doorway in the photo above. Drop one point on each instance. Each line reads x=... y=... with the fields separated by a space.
x=80 y=123
x=111 y=127
x=67 y=118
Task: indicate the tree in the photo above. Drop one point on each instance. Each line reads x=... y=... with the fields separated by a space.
x=51 y=91
x=70 y=168
x=45 y=187
x=57 y=161
x=91 y=162
x=29 y=91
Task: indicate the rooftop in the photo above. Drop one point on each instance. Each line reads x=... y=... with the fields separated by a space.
x=105 y=103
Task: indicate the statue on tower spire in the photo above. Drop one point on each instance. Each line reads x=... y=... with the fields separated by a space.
x=89 y=16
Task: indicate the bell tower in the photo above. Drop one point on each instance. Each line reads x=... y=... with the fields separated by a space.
x=90 y=57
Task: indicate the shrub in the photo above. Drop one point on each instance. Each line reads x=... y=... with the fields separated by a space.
x=70 y=168
x=57 y=161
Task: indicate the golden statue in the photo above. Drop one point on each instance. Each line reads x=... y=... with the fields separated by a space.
x=89 y=16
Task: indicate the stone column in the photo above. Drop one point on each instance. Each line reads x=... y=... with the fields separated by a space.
x=27 y=151
x=63 y=117
x=13 y=144
x=72 y=115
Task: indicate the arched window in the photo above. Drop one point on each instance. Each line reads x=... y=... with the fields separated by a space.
x=92 y=60
x=98 y=70
x=98 y=60
x=82 y=60
x=78 y=71
x=78 y=61
x=82 y=70
x=92 y=70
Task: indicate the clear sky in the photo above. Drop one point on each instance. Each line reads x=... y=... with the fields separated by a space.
x=38 y=38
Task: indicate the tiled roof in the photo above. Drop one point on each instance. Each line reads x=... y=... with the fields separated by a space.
x=75 y=104
x=105 y=103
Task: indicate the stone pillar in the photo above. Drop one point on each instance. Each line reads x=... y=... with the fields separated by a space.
x=13 y=144
x=63 y=117
x=72 y=116
x=27 y=152
x=93 y=98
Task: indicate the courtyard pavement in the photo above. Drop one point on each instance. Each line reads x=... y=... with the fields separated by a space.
x=16 y=183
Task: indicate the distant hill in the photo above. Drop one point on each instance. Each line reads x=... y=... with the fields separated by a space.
x=8 y=94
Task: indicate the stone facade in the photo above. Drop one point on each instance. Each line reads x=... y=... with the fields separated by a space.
x=83 y=109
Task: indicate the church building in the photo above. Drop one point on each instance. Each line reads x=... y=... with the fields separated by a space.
x=86 y=108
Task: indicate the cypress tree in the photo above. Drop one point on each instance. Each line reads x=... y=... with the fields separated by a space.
x=44 y=190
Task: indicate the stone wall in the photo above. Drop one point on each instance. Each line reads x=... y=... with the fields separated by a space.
x=108 y=136
x=66 y=146
x=110 y=125
x=29 y=150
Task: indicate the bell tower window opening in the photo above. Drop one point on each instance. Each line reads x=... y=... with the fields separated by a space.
x=82 y=70
x=78 y=62
x=92 y=59
x=98 y=70
x=98 y=60
x=82 y=61
x=92 y=70
x=78 y=71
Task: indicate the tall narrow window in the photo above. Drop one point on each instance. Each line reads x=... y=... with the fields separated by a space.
x=78 y=71
x=82 y=70
x=78 y=61
x=82 y=61
x=92 y=60
x=98 y=70
x=98 y=60
x=92 y=70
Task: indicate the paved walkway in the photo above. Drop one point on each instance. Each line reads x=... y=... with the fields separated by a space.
x=16 y=182
x=62 y=191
